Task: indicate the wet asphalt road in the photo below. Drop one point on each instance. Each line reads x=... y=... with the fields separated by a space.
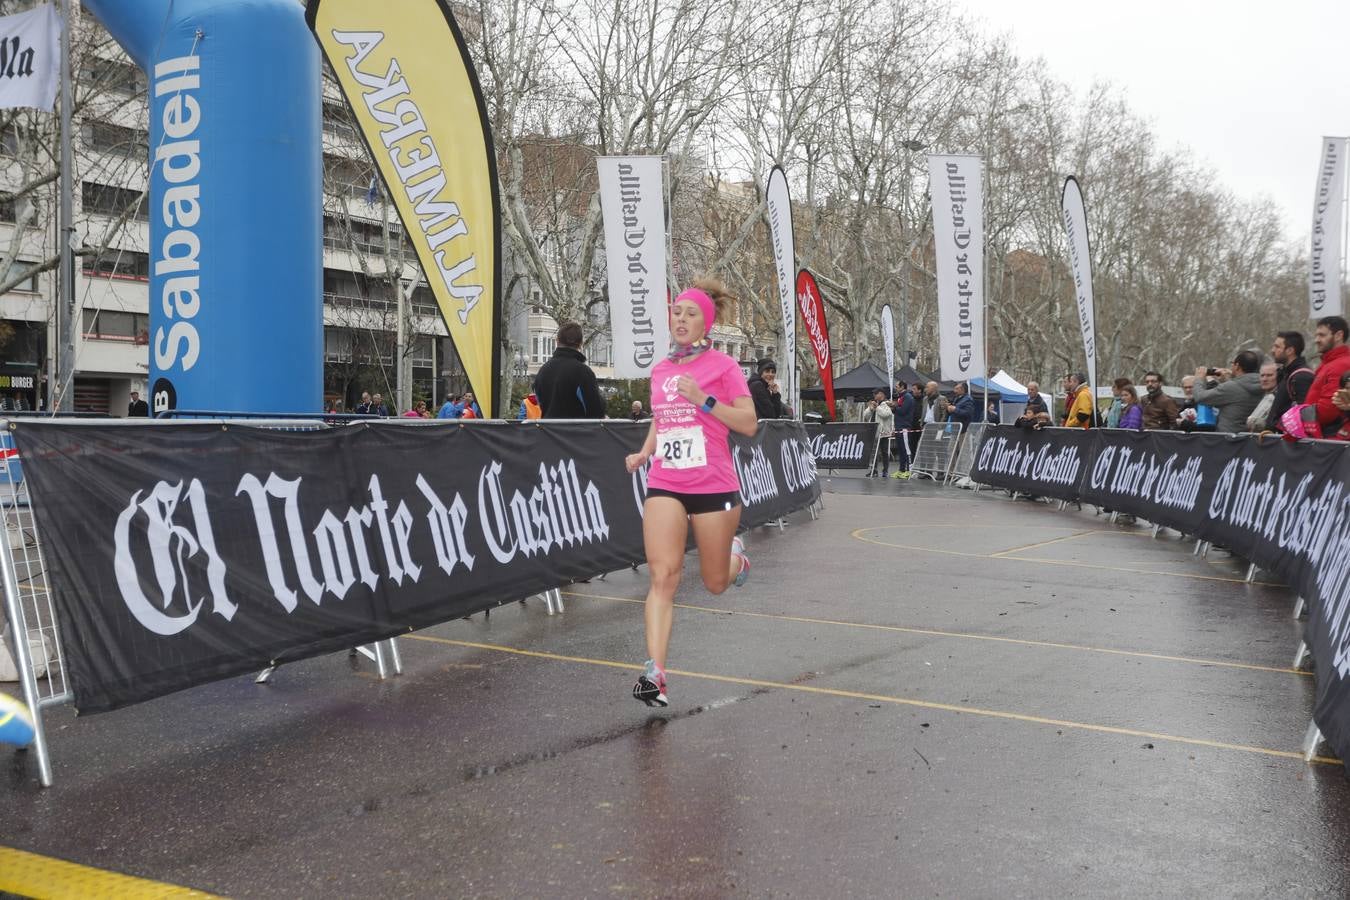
x=919 y=694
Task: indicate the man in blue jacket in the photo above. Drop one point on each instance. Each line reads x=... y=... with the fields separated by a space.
x=964 y=410
x=906 y=417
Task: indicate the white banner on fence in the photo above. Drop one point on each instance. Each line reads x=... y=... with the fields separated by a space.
x=30 y=58
x=779 y=211
x=957 y=187
x=632 y=201
x=888 y=339
x=1324 y=276
x=1080 y=259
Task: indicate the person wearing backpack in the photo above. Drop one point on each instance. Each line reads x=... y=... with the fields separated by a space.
x=1295 y=376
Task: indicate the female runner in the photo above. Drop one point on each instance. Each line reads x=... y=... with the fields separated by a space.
x=698 y=395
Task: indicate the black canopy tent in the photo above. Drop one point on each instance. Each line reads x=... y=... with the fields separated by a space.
x=909 y=375
x=855 y=384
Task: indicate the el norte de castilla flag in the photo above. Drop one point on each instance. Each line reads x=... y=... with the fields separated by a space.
x=30 y=58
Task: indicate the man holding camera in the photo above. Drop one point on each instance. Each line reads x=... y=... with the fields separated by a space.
x=1234 y=392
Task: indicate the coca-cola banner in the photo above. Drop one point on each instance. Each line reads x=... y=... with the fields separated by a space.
x=180 y=554
x=1284 y=506
x=812 y=305
x=842 y=445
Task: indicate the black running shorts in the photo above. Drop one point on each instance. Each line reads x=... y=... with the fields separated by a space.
x=697 y=504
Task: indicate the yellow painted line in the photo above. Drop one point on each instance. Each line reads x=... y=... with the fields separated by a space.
x=31 y=875
x=1058 y=540
x=898 y=701
x=857 y=534
x=933 y=632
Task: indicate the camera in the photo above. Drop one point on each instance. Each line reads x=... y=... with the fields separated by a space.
x=1212 y=372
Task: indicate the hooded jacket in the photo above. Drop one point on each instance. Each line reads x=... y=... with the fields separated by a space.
x=1235 y=399
x=768 y=405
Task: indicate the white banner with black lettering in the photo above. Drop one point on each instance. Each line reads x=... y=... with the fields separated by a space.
x=30 y=58
x=632 y=201
x=957 y=187
x=779 y=211
x=1074 y=211
x=1324 y=275
x=888 y=339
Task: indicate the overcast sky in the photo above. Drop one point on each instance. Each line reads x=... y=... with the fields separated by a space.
x=1250 y=88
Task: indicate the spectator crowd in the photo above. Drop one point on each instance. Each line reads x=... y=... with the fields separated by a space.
x=1282 y=393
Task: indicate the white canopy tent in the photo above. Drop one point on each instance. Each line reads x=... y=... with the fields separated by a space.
x=1011 y=411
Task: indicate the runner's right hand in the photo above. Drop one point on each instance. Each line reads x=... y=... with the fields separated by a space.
x=635 y=461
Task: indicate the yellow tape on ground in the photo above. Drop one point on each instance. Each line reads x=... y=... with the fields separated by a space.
x=32 y=875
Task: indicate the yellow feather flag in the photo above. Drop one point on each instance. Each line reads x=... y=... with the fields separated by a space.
x=406 y=74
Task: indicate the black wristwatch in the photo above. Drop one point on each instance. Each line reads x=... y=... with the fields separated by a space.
x=708 y=404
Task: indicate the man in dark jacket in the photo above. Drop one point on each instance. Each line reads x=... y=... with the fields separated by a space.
x=565 y=385
x=906 y=414
x=965 y=409
x=1295 y=376
x=1160 y=411
x=137 y=408
x=764 y=391
x=915 y=424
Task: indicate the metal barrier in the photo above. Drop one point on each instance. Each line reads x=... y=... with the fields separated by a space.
x=35 y=641
x=936 y=450
x=30 y=615
x=965 y=454
x=1313 y=736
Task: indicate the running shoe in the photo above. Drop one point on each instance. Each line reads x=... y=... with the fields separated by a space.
x=738 y=551
x=16 y=725
x=651 y=686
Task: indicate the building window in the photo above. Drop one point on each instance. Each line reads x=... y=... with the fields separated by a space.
x=113 y=75
x=114 y=325
x=337 y=119
x=9 y=140
x=113 y=201
x=19 y=269
x=113 y=263
x=132 y=143
x=421 y=352
x=424 y=301
x=364 y=237
x=349 y=178
x=337 y=345
x=541 y=347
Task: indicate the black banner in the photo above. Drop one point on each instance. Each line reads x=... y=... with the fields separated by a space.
x=1279 y=504
x=1048 y=463
x=180 y=554
x=842 y=445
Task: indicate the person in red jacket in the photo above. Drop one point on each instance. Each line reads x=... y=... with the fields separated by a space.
x=1330 y=339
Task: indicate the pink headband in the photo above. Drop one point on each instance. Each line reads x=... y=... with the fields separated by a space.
x=704 y=303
